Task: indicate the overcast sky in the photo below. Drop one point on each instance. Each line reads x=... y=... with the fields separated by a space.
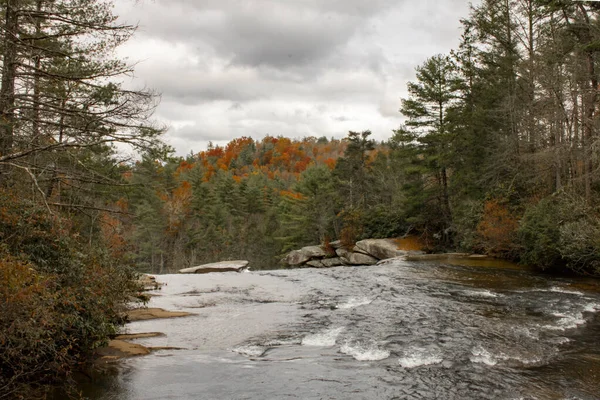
x=232 y=68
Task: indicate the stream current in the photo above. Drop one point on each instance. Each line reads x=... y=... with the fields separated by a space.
x=399 y=330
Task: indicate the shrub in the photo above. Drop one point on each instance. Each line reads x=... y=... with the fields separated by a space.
x=59 y=299
x=496 y=231
x=561 y=231
x=579 y=245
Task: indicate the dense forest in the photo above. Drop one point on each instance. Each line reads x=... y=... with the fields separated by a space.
x=498 y=155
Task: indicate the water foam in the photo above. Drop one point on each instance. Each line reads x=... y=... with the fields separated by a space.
x=419 y=357
x=323 y=339
x=354 y=302
x=364 y=353
x=480 y=293
x=558 y=289
x=566 y=321
x=250 y=350
x=482 y=356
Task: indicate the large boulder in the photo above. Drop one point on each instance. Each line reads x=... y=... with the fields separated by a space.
x=379 y=248
x=316 y=264
x=336 y=245
x=358 y=259
x=342 y=252
x=223 y=266
x=332 y=262
x=305 y=254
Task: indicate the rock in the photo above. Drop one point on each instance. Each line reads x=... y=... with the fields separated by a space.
x=316 y=264
x=332 y=262
x=379 y=248
x=131 y=336
x=117 y=349
x=143 y=314
x=336 y=245
x=299 y=257
x=341 y=252
x=359 y=259
x=223 y=266
x=148 y=282
x=479 y=256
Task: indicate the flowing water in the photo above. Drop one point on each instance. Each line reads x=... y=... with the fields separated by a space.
x=399 y=330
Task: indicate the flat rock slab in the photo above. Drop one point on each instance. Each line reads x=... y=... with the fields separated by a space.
x=143 y=314
x=118 y=349
x=131 y=336
x=222 y=266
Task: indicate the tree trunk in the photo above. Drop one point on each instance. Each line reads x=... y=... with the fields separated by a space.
x=9 y=69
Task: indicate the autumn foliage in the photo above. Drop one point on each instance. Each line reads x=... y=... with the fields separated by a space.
x=497 y=229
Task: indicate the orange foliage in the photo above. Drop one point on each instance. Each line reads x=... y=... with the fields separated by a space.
x=122 y=204
x=292 y=195
x=497 y=228
x=112 y=232
x=177 y=206
x=184 y=166
x=410 y=243
x=330 y=162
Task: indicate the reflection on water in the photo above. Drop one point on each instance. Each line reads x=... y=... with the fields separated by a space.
x=401 y=330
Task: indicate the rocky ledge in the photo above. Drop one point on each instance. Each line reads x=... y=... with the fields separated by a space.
x=222 y=266
x=364 y=252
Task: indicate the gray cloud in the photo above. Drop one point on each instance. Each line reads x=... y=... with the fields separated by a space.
x=228 y=68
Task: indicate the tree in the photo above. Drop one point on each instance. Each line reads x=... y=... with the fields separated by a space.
x=429 y=111
x=61 y=94
x=352 y=169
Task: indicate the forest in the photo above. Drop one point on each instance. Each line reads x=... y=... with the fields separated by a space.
x=498 y=155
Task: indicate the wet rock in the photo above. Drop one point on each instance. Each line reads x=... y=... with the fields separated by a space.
x=305 y=254
x=223 y=266
x=379 y=248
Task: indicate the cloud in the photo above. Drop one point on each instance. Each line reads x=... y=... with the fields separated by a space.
x=228 y=68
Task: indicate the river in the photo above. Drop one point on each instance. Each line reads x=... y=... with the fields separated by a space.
x=399 y=330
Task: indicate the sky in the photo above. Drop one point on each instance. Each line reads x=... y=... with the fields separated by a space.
x=295 y=68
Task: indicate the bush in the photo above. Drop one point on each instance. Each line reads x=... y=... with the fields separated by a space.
x=561 y=231
x=579 y=245
x=496 y=231
x=467 y=215
x=59 y=299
